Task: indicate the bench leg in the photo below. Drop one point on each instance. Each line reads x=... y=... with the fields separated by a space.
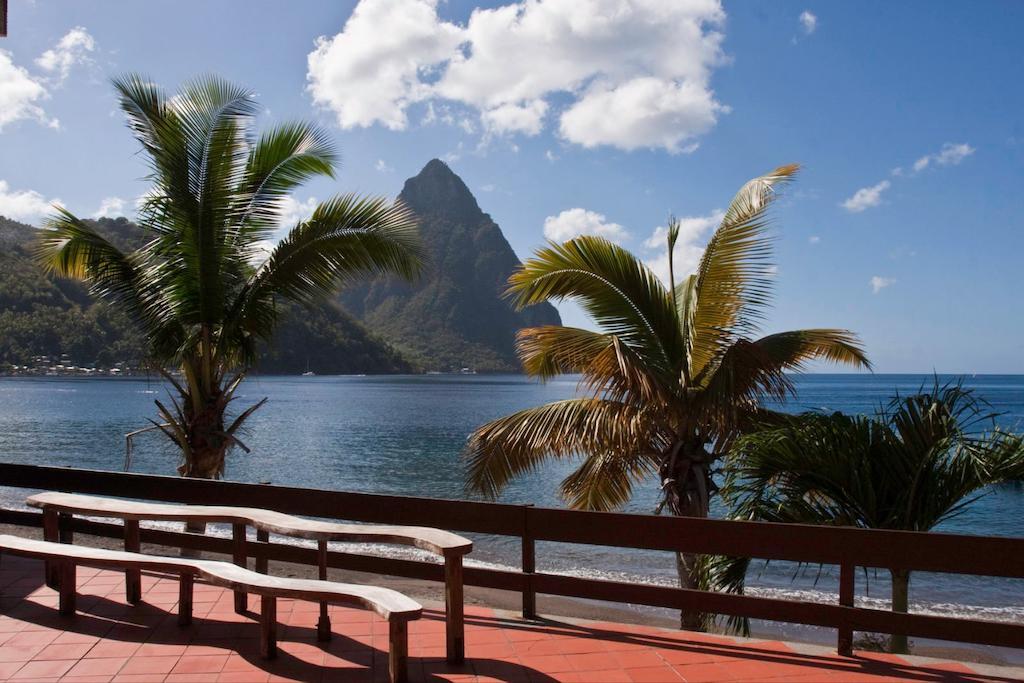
x=261 y=562
x=398 y=651
x=132 y=577
x=453 y=606
x=240 y=559
x=323 y=626
x=268 y=626
x=51 y=533
x=185 y=585
x=67 y=587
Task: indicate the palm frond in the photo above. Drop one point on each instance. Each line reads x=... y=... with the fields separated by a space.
x=604 y=481
x=619 y=292
x=518 y=443
x=282 y=159
x=734 y=279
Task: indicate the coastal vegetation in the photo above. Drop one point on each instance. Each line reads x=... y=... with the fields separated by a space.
x=918 y=462
x=207 y=284
x=47 y=321
x=672 y=379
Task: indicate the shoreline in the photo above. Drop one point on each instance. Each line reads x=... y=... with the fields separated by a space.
x=432 y=594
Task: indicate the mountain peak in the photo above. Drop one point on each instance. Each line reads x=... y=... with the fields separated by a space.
x=454 y=316
x=437 y=189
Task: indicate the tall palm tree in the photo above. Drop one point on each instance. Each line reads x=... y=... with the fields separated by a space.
x=670 y=380
x=205 y=285
x=918 y=462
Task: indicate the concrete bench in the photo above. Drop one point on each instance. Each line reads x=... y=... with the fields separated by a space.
x=389 y=604
x=448 y=545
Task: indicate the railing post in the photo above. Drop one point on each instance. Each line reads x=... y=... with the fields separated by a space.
x=241 y=558
x=847 y=574
x=529 y=567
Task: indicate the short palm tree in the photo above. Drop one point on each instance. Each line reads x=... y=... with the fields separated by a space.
x=670 y=380
x=205 y=285
x=920 y=461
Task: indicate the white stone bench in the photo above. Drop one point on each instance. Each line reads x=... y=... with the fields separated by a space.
x=391 y=605
x=448 y=545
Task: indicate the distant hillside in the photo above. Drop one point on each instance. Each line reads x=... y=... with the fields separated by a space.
x=40 y=315
x=454 y=316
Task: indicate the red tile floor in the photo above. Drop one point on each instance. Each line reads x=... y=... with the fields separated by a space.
x=109 y=640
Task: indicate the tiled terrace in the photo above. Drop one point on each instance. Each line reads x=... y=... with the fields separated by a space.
x=109 y=640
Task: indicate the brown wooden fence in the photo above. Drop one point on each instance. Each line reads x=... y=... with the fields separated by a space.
x=848 y=548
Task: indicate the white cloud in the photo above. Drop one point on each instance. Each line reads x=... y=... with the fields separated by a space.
x=550 y=156
x=866 y=197
x=694 y=232
x=647 y=62
x=814 y=239
x=575 y=222
x=382 y=166
x=878 y=283
x=27 y=206
x=373 y=70
x=293 y=211
x=644 y=112
x=71 y=50
x=489 y=187
x=525 y=118
x=808 y=22
x=110 y=207
x=20 y=94
x=950 y=155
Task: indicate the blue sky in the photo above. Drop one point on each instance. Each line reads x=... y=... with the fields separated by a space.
x=606 y=116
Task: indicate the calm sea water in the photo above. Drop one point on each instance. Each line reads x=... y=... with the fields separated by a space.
x=403 y=435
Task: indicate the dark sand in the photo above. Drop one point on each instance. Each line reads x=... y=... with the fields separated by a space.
x=431 y=594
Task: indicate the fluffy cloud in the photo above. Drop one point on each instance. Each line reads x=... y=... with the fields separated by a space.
x=73 y=49
x=950 y=155
x=635 y=73
x=383 y=166
x=376 y=67
x=575 y=222
x=866 y=197
x=694 y=232
x=644 y=112
x=878 y=283
x=110 y=207
x=20 y=94
x=24 y=205
x=808 y=22
x=515 y=118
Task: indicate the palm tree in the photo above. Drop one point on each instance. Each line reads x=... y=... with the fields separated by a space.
x=670 y=380
x=205 y=286
x=919 y=462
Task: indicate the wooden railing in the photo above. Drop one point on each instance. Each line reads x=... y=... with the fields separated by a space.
x=848 y=548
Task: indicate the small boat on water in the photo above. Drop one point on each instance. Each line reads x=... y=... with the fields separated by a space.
x=309 y=373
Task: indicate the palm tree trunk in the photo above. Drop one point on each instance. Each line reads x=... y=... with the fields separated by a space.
x=687 y=487
x=900 y=603
x=205 y=456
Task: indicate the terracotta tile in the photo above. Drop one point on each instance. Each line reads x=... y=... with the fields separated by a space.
x=653 y=674
x=595 y=661
x=39 y=670
x=200 y=664
x=113 y=648
x=704 y=673
x=160 y=650
x=62 y=651
x=149 y=665
x=191 y=678
x=603 y=676
x=98 y=667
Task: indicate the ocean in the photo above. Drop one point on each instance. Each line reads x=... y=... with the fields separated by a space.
x=404 y=434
